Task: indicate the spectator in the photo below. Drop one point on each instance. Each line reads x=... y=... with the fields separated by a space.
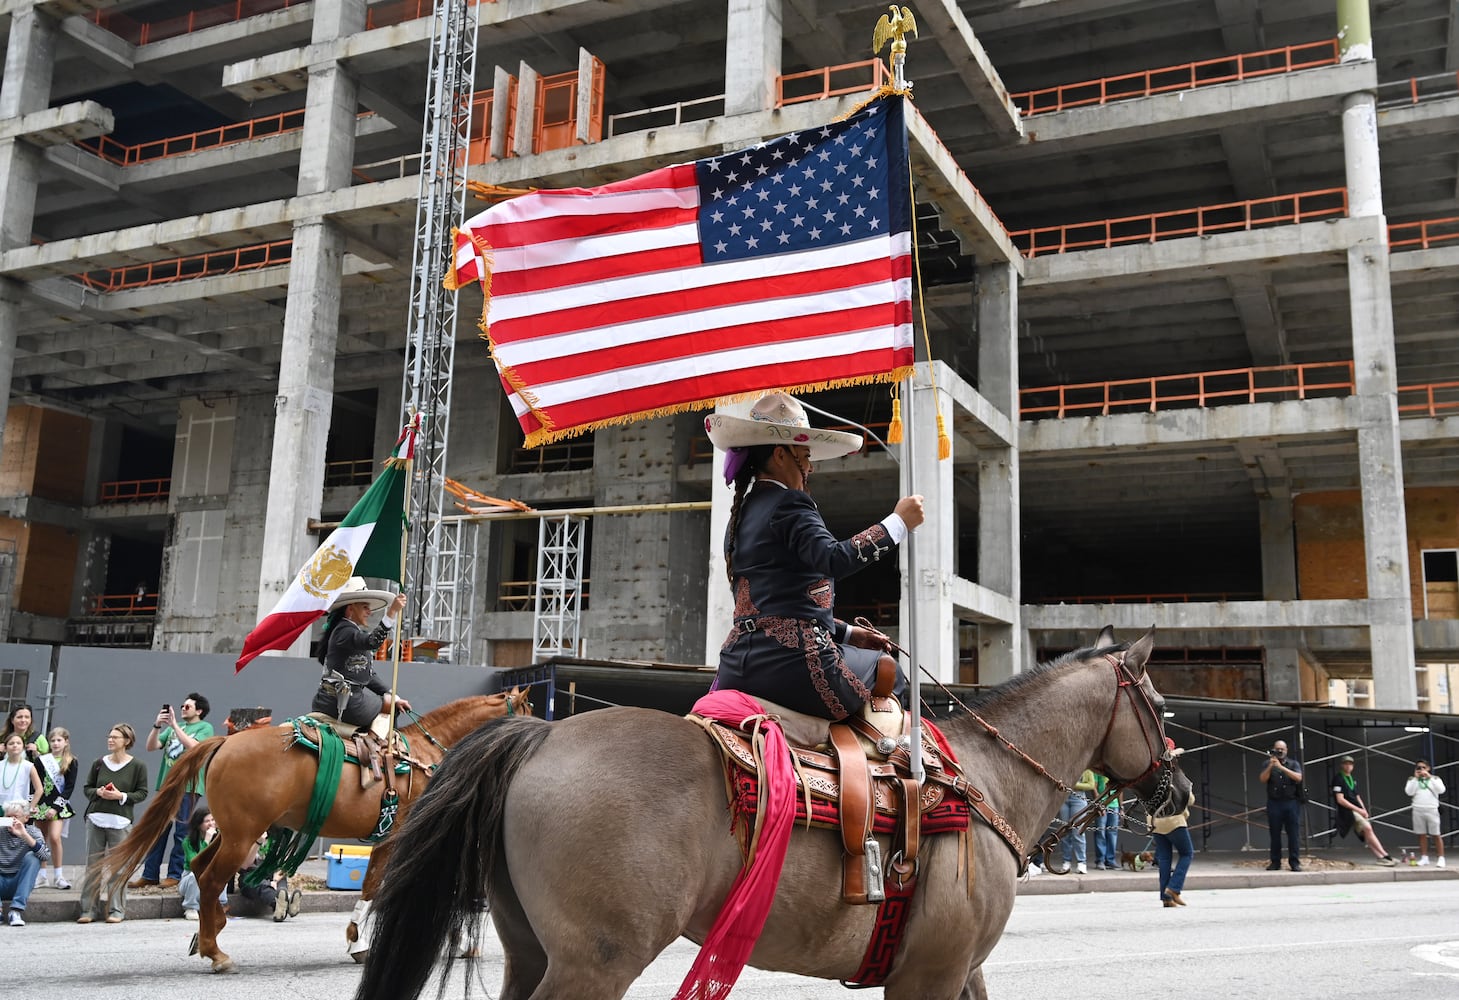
x=1282 y=776
x=174 y=739
x=19 y=778
x=1424 y=789
x=58 y=784
x=273 y=893
x=1074 y=848
x=201 y=829
x=20 y=721
x=23 y=853
x=1352 y=814
x=1172 y=838
x=114 y=785
x=1107 y=828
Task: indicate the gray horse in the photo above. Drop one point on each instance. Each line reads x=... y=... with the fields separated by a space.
x=600 y=839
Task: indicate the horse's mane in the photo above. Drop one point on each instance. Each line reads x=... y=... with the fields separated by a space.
x=1018 y=683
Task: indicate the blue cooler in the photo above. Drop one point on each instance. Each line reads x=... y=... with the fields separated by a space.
x=347 y=865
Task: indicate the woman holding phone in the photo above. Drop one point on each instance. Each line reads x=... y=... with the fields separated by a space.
x=116 y=783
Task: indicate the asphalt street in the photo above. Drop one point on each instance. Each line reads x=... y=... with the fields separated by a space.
x=1304 y=942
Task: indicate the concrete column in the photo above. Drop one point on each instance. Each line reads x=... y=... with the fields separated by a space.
x=337 y=19
x=1360 y=152
x=328 y=151
x=1354 y=30
x=934 y=643
x=302 y=408
x=752 y=56
x=1001 y=652
x=1380 y=464
x=29 y=58
x=1278 y=549
x=719 y=608
x=524 y=132
x=1283 y=675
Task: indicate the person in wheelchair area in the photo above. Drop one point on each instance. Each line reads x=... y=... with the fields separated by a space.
x=785 y=645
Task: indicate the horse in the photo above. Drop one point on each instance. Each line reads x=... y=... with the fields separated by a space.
x=600 y=839
x=257 y=779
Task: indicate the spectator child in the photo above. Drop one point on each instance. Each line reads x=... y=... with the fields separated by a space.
x=19 y=778
x=58 y=784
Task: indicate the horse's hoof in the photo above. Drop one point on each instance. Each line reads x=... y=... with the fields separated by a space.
x=360 y=956
x=224 y=964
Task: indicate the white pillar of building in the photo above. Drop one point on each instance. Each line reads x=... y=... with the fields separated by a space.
x=933 y=645
x=720 y=607
x=752 y=56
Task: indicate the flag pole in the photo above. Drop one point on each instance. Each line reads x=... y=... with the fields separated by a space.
x=404 y=549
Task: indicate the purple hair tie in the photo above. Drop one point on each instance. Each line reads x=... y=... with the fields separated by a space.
x=734 y=460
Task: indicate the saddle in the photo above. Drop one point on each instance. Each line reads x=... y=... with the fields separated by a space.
x=367 y=747
x=861 y=767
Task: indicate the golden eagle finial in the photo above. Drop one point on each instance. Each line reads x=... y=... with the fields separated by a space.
x=896 y=23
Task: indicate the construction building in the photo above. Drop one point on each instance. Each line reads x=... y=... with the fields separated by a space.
x=1192 y=292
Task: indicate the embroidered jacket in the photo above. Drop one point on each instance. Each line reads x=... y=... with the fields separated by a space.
x=350 y=689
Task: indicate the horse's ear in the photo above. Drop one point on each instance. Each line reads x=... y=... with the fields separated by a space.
x=1139 y=653
x=1106 y=637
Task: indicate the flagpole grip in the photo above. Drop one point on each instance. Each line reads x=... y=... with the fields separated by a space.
x=404 y=550
x=909 y=473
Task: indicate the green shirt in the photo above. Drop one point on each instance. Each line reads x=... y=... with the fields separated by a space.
x=173 y=748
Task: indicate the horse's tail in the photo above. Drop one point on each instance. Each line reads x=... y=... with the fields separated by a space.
x=446 y=854
x=158 y=816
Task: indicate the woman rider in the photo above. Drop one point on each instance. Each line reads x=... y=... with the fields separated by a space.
x=782 y=562
x=350 y=690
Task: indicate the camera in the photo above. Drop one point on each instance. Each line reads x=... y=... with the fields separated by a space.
x=1274 y=754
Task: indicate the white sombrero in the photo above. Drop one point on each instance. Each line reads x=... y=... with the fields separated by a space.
x=355 y=592
x=778 y=418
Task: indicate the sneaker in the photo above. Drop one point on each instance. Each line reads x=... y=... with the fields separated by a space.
x=1423 y=860
x=61 y=883
x=1440 y=862
x=281 y=906
x=42 y=881
x=16 y=920
x=1034 y=871
x=190 y=914
x=296 y=900
x=1081 y=869
x=1296 y=866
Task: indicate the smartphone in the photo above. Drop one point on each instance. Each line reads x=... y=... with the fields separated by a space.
x=166 y=708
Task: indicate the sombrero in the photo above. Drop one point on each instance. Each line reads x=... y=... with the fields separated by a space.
x=355 y=592
x=778 y=418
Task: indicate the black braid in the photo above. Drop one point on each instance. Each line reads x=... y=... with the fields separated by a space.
x=754 y=462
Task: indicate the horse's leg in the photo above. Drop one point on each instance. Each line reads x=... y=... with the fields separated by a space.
x=227 y=855
x=354 y=933
x=526 y=962
x=974 y=988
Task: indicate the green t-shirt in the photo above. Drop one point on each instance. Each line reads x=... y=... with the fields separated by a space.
x=172 y=748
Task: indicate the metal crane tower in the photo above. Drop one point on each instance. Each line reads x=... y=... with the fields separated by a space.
x=437 y=569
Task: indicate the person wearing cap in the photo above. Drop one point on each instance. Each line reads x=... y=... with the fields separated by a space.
x=785 y=645
x=350 y=690
x=1352 y=814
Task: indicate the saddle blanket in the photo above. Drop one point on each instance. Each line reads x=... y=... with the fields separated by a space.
x=947 y=816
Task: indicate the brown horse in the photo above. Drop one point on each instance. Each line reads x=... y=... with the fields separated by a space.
x=257 y=779
x=600 y=839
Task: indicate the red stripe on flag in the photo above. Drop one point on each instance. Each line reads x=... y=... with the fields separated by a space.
x=277 y=631
x=584 y=272
x=506 y=239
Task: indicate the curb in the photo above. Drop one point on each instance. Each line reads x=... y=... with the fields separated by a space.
x=1063 y=885
x=50 y=906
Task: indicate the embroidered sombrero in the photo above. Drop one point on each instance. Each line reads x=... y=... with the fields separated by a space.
x=355 y=592
x=778 y=418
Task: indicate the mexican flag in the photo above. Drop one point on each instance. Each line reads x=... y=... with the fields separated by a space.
x=366 y=543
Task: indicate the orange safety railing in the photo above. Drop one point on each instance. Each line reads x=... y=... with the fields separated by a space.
x=557 y=109
x=1196 y=389
x=178 y=145
x=349 y=472
x=1417 y=89
x=124 y=604
x=482 y=107
x=1426 y=234
x=143 y=32
x=133 y=490
x=382 y=15
x=1202 y=221
x=820 y=79
x=203 y=265
x=1186 y=76
x=1429 y=400
x=521 y=595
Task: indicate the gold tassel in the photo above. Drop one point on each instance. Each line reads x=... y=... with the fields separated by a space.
x=894 y=429
x=944 y=443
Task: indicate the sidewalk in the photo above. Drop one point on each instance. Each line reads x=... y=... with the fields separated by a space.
x=1241 y=870
x=48 y=904
x=1209 y=870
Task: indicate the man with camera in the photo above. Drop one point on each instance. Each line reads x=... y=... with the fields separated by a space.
x=174 y=736
x=1424 y=789
x=1282 y=776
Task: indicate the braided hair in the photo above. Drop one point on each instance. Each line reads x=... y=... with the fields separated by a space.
x=755 y=459
x=335 y=617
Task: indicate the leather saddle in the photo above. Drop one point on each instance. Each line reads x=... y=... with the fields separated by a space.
x=366 y=746
x=861 y=766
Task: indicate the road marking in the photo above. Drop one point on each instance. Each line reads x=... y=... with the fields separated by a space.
x=1439 y=952
x=1245 y=949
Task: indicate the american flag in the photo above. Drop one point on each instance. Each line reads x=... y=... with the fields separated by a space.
x=784 y=265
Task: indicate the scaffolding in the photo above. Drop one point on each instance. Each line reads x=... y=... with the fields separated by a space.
x=437 y=564
x=557 y=608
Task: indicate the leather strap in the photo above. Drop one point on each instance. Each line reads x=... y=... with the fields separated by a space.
x=856 y=805
x=886 y=678
x=906 y=865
